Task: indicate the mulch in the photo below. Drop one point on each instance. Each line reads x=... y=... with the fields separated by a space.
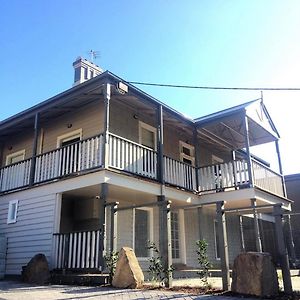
x=213 y=291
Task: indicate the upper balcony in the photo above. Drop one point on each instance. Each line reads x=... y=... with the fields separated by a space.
x=133 y=158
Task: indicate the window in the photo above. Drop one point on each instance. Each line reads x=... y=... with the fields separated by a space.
x=187 y=153
x=175 y=235
x=12 y=211
x=147 y=135
x=142 y=231
x=217 y=245
x=69 y=138
x=15 y=157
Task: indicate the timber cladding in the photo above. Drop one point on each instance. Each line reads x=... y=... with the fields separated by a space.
x=32 y=233
x=90 y=119
x=124 y=122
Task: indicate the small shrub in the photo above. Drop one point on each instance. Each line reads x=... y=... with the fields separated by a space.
x=157 y=270
x=111 y=259
x=203 y=261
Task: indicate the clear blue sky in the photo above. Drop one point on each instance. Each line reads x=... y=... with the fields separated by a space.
x=216 y=43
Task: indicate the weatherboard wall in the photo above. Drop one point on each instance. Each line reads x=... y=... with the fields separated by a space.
x=32 y=233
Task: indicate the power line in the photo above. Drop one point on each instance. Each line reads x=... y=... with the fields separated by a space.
x=213 y=87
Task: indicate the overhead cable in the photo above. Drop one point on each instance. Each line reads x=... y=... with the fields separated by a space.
x=215 y=87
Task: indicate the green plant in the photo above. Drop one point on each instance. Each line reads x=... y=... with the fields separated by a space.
x=203 y=261
x=111 y=259
x=157 y=270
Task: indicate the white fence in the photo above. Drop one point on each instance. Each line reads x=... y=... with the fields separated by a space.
x=15 y=176
x=135 y=158
x=224 y=175
x=77 y=250
x=180 y=174
x=132 y=157
x=69 y=159
x=267 y=179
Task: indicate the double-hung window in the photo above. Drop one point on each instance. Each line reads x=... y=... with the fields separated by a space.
x=187 y=153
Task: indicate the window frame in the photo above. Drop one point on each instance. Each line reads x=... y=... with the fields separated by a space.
x=148 y=127
x=68 y=136
x=151 y=233
x=216 y=160
x=183 y=156
x=14 y=154
x=10 y=205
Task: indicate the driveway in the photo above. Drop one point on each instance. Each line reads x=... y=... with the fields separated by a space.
x=12 y=290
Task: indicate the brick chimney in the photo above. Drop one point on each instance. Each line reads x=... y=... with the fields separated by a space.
x=84 y=70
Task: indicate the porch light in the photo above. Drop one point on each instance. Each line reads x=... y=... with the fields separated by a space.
x=122 y=88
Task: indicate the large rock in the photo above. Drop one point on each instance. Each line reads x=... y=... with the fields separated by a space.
x=254 y=273
x=128 y=271
x=37 y=270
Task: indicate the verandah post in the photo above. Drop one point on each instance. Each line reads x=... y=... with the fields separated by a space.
x=256 y=227
x=223 y=244
x=107 y=95
x=247 y=142
x=289 y=237
x=165 y=243
x=113 y=227
x=280 y=168
x=242 y=233
x=34 y=149
x=160 y=146
x=197 y=151
x=102 y=205
x=282 y=250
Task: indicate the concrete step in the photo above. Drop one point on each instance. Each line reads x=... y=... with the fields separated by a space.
x=80 y=279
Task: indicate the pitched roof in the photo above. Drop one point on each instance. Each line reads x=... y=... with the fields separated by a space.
x=225 y=112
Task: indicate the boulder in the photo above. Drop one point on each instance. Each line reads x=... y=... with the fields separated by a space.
x=37 y=270
x=254 y=273
x=128 y=271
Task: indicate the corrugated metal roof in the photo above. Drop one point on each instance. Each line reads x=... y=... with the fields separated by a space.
x=225 y=112
x=59 y=98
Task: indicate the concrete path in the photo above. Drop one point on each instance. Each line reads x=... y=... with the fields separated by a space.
x=11 y=290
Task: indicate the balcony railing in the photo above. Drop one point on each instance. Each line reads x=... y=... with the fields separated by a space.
x=131 y=157
x=73 y=158
x=180 y=174
x=222 y=176
x=15 y=175
x=267 y=179
x=134 y=158
x=77 y=250
x=67 y=160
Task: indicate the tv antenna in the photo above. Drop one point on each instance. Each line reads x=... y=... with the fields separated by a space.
x=94 y=55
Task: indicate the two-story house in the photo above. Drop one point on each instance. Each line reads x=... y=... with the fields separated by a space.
x=105 y=165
